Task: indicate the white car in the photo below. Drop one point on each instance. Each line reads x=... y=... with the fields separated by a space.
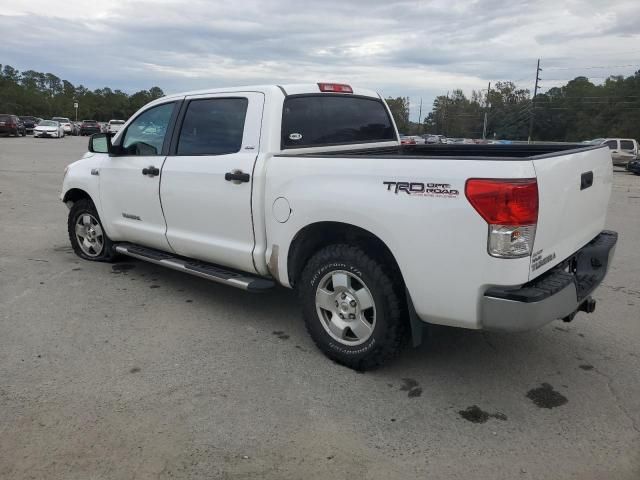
x=307 y=186
x=48 y=128
x=66 y=124
x=114 y=126
x=623 y=150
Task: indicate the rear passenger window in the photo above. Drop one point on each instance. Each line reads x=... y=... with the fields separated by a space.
x=321 y=120
x=626 y=145
x=213 y=126
x=612 y=144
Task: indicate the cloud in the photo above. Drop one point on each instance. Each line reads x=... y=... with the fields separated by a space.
x=420 y=49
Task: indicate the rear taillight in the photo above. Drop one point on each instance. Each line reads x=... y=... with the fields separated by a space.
x=335 y=87
x=510 y=207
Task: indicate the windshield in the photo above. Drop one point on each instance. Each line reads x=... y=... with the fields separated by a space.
x=89 y=121
x=48 y=123
x=117 y=122
x=61 y=119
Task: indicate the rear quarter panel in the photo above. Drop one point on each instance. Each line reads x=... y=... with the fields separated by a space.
x=440 y=243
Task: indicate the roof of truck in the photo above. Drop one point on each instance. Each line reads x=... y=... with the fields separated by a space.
x=285 y=89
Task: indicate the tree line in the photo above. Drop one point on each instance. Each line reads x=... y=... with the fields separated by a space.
x=576 y=111
x=573 y=112
x=45 y=95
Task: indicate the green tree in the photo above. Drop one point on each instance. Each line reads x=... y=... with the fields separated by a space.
x=400 y=110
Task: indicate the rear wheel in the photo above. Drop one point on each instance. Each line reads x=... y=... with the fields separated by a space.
x=86 y=234
x=352 y=307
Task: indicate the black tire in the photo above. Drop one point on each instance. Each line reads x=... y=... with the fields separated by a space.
x=391 y=326
x=80 y=208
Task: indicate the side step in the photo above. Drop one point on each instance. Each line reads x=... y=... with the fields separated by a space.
x=195 y=267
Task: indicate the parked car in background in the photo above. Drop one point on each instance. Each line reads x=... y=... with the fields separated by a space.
x=431 y=139
x=89 y=127
x=29 y=123
x=66 y=124
x=11 y=125
x=623 y=150
x=115 y=126
x=406 y=140
x=419 y=140
x=634 y=166
x=48 y=128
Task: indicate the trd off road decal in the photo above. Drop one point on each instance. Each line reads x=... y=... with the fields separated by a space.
x=421 y=189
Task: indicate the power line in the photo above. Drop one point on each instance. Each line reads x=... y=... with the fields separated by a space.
x=594 y=67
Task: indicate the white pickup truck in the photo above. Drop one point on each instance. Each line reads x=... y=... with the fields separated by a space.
x=307 y=186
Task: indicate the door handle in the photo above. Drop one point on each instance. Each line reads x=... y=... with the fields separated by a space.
x=237 y=176
x=151 y=171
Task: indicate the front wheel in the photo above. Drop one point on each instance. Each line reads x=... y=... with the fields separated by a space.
x=352 y=307
x=86 y=234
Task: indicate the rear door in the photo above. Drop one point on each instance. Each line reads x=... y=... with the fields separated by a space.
x=207 y=179
x=574 y=190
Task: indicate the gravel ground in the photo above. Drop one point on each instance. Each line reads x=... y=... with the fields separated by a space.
x=131 y=371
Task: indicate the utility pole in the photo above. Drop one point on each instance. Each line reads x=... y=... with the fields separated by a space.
x=487 y=107
x=444 y=120
x=420 y=117
x=533 y=101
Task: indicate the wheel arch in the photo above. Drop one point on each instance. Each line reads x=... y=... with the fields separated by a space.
x=74 y=194
x=315 y=236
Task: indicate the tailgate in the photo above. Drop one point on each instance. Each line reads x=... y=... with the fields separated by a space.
x=574 y=189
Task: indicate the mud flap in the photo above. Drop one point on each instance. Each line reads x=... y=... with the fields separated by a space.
x=417 y=325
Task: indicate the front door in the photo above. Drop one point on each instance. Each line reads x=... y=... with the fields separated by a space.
x=130 y=181
x=207 y=181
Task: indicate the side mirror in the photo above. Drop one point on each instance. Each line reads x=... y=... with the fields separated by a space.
x=99 y=143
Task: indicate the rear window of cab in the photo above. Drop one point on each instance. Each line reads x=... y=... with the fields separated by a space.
x=326 y=119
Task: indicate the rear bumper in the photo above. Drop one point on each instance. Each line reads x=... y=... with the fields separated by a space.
x=557 y=294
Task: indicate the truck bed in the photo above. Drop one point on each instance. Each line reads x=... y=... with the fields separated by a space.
x=462 y=152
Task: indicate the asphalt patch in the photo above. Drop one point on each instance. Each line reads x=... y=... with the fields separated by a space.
x=587 y=367
x=412 y=387
x=280 y=334
x=546 y=397
x=475 y=414
x=122 y=267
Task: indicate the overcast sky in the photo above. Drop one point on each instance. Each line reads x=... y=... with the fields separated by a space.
x=417 y=49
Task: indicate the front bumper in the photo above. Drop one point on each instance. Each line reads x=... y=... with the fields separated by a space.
x=557 y=294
